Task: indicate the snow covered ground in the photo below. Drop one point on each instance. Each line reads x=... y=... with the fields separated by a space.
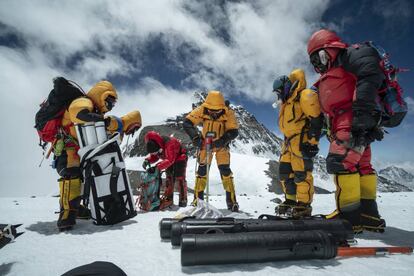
x=135 y=245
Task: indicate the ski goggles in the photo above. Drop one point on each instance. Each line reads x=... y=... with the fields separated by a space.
x=215 y=113
x=110 y=102
x=320 y=61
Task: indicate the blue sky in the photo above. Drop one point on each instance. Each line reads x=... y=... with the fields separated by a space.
x=157 y=53
x=391 y=25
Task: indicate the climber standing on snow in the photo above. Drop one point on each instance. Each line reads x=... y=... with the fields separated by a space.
x=219 y=121
x=300 y=121
x=348 y=87
x=91 y=107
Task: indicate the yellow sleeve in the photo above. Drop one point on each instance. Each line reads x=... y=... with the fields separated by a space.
x=231 y=122
x=127 y=122
x=78 y=105
x=196 y=116
x=309 y=102
x=131 y=119
x=113 y=124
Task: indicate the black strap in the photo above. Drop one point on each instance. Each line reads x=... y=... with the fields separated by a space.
x=113 y=183
x=296 y=99
x=88 y=183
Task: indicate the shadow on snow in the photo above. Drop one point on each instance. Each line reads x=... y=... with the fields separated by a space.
x=392 y=236
x=252 y=267
x=48 y=228
x=6 y=268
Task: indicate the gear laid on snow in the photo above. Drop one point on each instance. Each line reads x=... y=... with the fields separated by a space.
x=174 y=229
x=227 y=240
x=8 y=233
x=220 y=127
x=149 y=190
x=107 y=187
x=301 y=122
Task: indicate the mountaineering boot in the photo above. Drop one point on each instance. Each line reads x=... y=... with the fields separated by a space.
x=353 y=217
x=370 y=217
x=285 y=208
x=200 y=185
x=182 y=186
x=196 y=198
x=70 y=190
x=348 y=199
x=166 y=202
x=83 y=212
x=301 y=210
x=231 y=201
x=168 y=198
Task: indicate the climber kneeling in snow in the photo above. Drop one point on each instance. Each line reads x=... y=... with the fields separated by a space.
x=170 y=156
x=82 y=109
x=300 y=121
x=219 y=123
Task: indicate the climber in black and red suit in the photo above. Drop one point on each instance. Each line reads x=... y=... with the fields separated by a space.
x=350 y=77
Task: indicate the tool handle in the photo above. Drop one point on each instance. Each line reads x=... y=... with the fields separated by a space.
x=372 y=251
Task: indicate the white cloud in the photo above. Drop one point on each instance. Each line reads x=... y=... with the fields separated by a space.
x=264 y=39
x=410 y=104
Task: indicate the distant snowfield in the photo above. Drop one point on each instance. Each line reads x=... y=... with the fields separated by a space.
x=248 y=172
x=135 y=245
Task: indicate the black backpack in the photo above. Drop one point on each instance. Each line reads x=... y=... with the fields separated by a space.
x=49 y=118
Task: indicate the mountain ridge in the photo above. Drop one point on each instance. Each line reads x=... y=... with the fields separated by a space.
x=255 y=139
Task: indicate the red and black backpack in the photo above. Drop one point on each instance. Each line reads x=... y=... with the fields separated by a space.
x=48 y=119
x=390 y=102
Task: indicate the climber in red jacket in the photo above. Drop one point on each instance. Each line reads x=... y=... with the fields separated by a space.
x=170 y=156
x=348 y=87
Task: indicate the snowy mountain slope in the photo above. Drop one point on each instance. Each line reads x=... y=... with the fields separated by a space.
x=251 y=175
x=135 y=245
x=398 y=175
x=254 y=140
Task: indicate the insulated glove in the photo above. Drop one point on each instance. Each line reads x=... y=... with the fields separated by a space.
x=358 y=140
x=131 y=122
x=219 y=143
x=376 y=134
x=151 y=170
x=146 y=164
x=197 y=141
x=363 y=120
x=309 y=150
x=132 y=128
x=362 y=124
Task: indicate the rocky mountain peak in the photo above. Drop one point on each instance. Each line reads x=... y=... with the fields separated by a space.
x=257 y=140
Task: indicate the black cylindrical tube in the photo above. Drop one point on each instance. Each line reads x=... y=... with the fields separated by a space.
x=231 y=248
x=165 y=224
x=341 y=230
x=165 y=227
